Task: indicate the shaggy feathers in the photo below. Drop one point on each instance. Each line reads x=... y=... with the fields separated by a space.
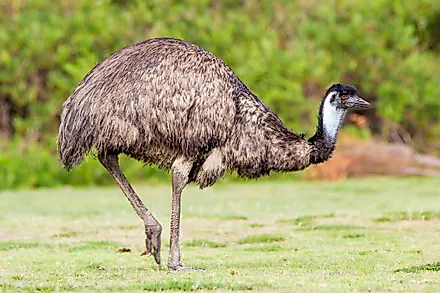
x=163 y=99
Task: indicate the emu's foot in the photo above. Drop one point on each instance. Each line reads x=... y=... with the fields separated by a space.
x=181 y=267
x=148 y=245
x=152 y=242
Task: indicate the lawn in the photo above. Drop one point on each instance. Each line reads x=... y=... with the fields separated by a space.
x=372 y=235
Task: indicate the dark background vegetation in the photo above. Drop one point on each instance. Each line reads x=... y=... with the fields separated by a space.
x=288 y=52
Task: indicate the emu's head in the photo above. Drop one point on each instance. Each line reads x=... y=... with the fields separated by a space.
x=337 y=100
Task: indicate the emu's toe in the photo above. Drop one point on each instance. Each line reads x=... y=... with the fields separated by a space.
x=146 y=253
x=148 y=243
x=153 y=242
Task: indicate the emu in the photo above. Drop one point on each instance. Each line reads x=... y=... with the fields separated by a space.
x=171 y=103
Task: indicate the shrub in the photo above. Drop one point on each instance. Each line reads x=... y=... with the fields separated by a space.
x=287 y=52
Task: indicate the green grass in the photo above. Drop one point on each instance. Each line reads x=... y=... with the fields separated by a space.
x=425 y=267
x=204 y=243
x=408 y=215
x=261 y=236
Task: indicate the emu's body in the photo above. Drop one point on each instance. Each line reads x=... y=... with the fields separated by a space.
x=163 y=99
x=170 y=103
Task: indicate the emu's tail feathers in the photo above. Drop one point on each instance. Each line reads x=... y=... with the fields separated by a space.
x=75 y=138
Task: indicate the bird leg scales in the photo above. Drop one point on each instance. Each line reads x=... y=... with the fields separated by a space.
x=153 y=229
x=180 y=176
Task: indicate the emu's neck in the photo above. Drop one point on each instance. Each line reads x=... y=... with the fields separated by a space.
x=323 y=142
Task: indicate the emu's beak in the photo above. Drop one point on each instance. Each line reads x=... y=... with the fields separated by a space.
x=356 y=102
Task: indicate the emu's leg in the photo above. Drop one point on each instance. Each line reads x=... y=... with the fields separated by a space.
x=153 y=229
x=180 y=176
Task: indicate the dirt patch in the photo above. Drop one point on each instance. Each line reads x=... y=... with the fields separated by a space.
x=354 y=158
x=123 y=250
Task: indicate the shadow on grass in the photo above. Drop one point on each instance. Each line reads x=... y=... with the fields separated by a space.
x=415 y=269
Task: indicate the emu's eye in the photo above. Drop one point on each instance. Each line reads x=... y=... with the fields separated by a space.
x=343 y=97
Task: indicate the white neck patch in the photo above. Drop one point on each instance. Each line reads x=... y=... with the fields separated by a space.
x=332 y=117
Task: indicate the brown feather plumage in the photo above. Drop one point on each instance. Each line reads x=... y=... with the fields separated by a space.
x=164 y=98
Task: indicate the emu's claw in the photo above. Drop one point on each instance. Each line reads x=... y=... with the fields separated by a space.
x=152 y=242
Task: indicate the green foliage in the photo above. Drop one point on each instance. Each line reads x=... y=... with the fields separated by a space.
x=36 y=166
x=288 y=52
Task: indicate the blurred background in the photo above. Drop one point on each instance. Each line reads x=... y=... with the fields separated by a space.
x=288 y=52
